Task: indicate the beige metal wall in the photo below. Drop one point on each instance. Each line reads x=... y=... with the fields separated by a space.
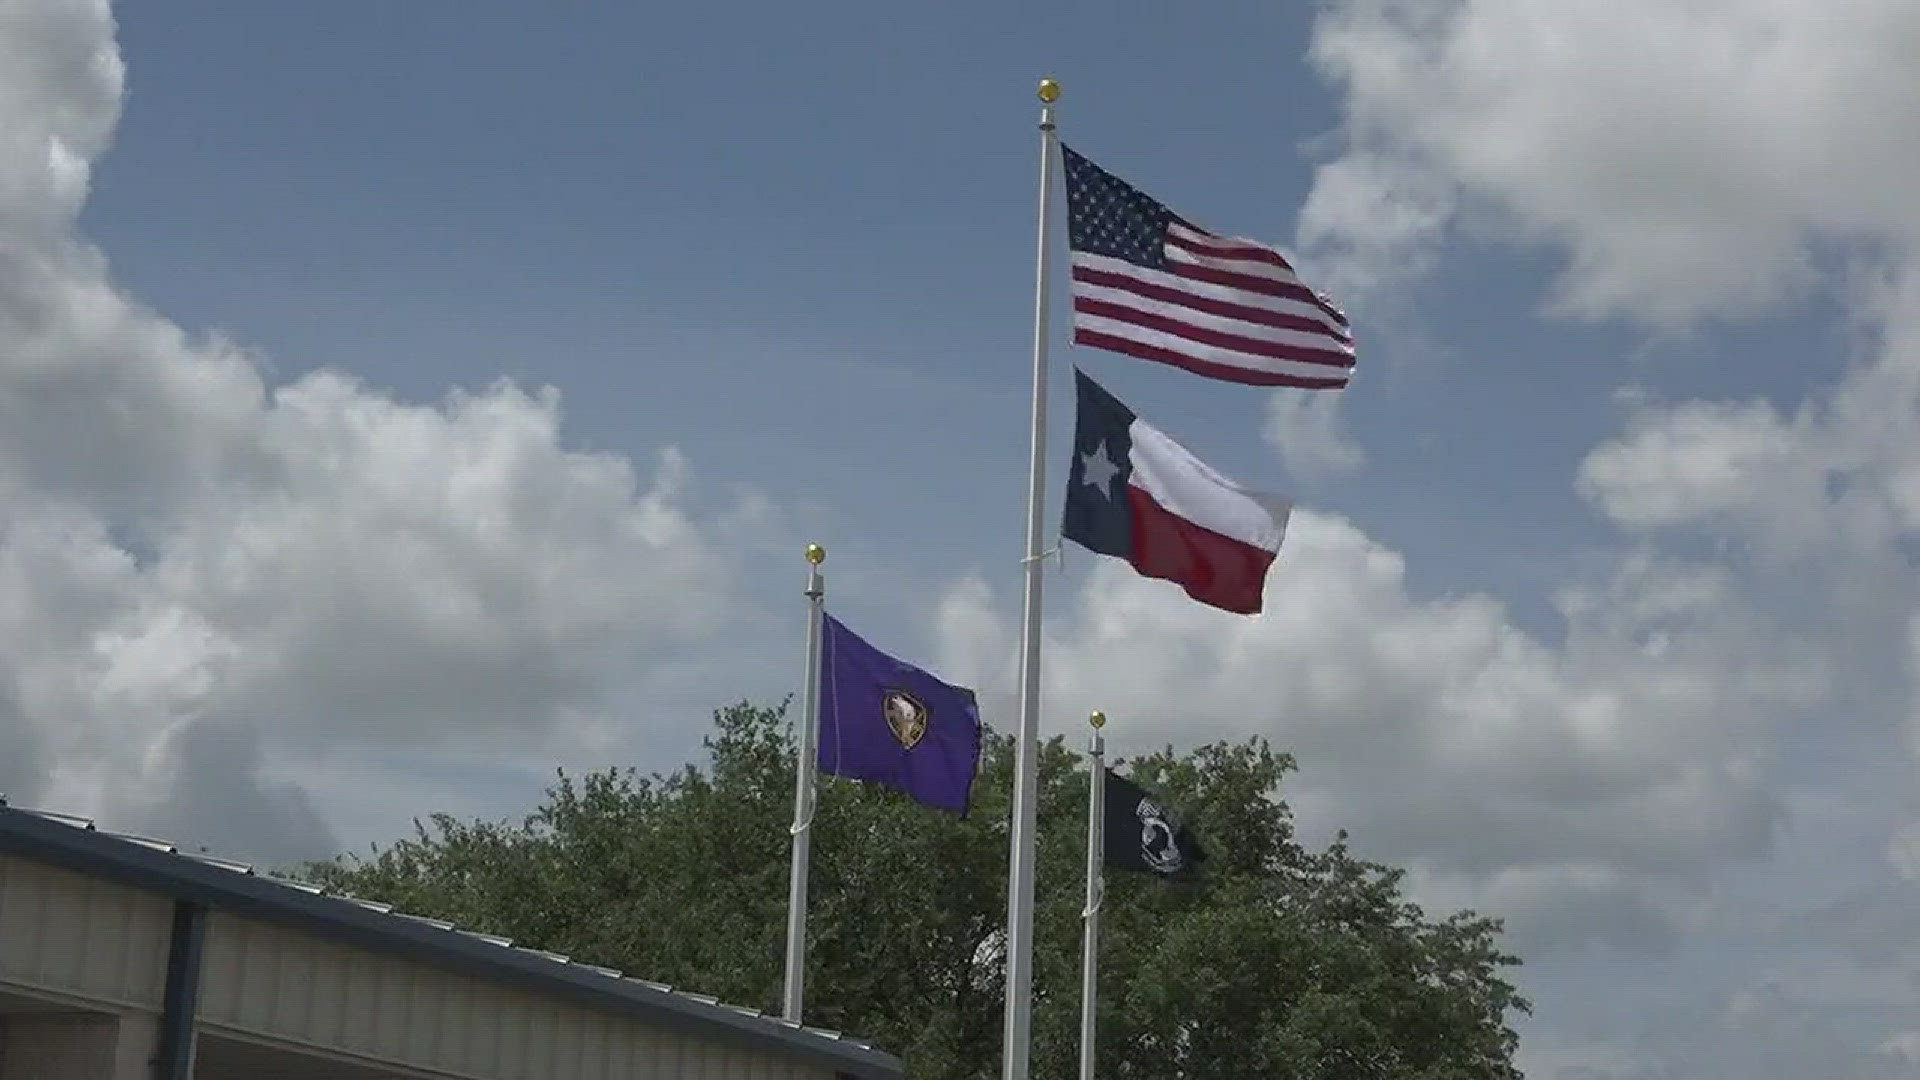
x=87 y=939
x=76 y=936
x=263 y=980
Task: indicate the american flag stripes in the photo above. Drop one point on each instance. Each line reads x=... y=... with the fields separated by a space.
x=1151 y=285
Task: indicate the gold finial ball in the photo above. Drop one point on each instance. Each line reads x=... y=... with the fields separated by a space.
x=816 y=554
x=1098 y=719
x=1049 y=91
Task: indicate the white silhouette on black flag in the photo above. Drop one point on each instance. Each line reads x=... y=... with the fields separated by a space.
x=1142 y=834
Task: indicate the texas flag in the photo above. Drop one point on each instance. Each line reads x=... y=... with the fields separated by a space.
x=1137 y=495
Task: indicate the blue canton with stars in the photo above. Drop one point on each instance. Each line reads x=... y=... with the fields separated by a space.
x=1108 y=216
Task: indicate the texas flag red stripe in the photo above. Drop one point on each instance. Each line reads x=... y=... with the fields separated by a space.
x=1213 y=569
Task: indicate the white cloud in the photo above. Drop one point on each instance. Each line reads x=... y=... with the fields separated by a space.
x=1687 y=161
x=1903 y=851
x=1903 y=1047
x=62 y=78
x=1713 y=158
x=1838 y=475
x=1826 y=496
x=1689 y=158
x=1703 y=462
x=1404 y=208
x=1770 y=1033
x=1614 y=771
x=1308 y=430
x=200 y=571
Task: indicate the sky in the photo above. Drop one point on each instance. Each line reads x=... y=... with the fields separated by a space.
x=398 y=402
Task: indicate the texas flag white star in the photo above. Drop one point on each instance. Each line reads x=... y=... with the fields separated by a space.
x=1097 y=470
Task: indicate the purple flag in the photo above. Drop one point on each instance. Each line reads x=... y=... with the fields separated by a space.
x=887 y=722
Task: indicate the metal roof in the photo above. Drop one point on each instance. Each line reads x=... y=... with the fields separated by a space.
x=223 y=885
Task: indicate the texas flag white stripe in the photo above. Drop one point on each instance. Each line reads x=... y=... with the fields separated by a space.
x=1188 y=487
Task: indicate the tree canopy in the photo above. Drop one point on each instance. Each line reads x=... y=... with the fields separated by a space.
x=1276 y=961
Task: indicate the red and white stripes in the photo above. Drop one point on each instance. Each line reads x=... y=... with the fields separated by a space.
x=1225 y=308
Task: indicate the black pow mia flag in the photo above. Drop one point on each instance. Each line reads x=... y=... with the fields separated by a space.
x=1142 y=834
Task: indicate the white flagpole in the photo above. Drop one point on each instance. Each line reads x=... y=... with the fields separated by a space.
x=1019 y=985
x=1096 y=891
x=803 y=789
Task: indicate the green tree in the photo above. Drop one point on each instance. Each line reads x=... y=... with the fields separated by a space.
x=1275 y=962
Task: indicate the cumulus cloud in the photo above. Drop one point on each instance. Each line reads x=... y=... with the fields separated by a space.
x=1903 y=1047
x=1839 y=474
x=198 y=568
x=1373 y=221
x=1825 y=496
x=1770 y=1033
x=1311 y=435
x=1688 y=158
x=1685 y=162
x=1903 y=851
x=1544 y=782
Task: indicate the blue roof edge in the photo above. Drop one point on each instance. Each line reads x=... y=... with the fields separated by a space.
x=74 y=844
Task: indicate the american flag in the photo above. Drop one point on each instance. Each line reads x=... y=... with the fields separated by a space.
x=1151 y=285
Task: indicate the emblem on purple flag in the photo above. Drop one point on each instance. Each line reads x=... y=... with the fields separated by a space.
x=887 y=722
x=906 y=716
